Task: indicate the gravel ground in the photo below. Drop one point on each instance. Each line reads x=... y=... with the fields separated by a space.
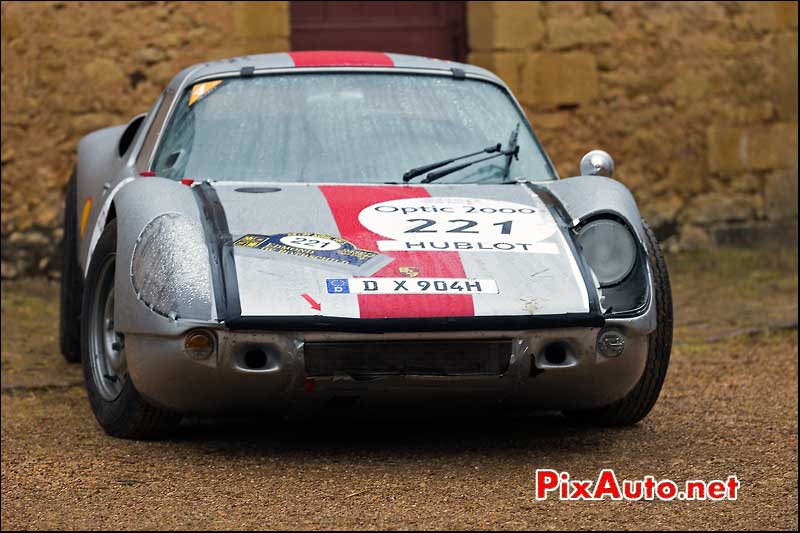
x=729 y=406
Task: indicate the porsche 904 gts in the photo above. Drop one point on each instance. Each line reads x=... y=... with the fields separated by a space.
x=285 y=230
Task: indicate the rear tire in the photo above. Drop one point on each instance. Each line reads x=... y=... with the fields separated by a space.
x=116 y=403
x=638 y=403
x=71 y=280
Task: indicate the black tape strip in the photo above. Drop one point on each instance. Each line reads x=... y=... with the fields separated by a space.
x=220 y=252
x=563 y=220
x=385 y=325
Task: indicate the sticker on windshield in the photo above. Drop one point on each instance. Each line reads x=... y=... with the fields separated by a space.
x=460 y=225
x=319 y=248
x=410 y=286
x=201 y=90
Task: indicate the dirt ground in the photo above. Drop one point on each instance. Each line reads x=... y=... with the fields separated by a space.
x=729 y=406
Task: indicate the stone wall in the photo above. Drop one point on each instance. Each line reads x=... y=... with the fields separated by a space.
x=73 y=67
x=697 y=102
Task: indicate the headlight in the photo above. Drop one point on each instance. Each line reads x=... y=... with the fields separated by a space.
x=610 y=250
x=170 y=269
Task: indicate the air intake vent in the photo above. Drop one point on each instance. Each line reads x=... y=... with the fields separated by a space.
x=437 y=358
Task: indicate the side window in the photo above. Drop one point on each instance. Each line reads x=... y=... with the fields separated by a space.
x=173 y=153
x=143 y=159
x=129 y=134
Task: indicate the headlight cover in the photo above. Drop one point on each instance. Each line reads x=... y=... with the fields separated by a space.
x=170 y=268
x=609 y=249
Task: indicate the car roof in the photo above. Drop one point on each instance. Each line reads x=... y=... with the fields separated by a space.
x=333 y=60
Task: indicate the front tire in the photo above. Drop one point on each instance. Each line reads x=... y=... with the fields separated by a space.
x=116 y=403
x=639 y=401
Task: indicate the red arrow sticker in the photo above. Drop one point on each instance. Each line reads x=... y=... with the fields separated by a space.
x=312 y=302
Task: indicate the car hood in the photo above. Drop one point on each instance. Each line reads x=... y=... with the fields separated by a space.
x=392 y=251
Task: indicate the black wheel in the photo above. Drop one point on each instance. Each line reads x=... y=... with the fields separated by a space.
x=116 y=403
x=638 y=403
x=71 y=280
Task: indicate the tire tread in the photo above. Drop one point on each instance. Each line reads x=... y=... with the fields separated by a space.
x=129 y=416
x=71 y=280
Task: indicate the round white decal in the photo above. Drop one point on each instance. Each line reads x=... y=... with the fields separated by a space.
x=310 y=243
x=460 y=224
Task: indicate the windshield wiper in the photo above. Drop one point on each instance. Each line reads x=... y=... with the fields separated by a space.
x=414 y=172
x=511 y=153
x=514 y=147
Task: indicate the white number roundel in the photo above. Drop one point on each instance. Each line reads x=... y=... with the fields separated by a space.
x=462 y=219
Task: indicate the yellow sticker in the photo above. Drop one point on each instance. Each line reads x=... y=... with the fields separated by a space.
x=85 y=216
x=201 y=90
x=250 y=241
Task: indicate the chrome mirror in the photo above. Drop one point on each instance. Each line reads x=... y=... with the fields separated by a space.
x=597 y=163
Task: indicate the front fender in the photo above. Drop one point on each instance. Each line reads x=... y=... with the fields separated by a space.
x=585 y=196
x=137 y=204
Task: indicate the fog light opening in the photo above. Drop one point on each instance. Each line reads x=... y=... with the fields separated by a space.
x=199 y=344
x=611 y=343
x=255 y=359
x=555 y=353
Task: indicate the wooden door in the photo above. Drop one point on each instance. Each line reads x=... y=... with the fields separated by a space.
x=432 y=29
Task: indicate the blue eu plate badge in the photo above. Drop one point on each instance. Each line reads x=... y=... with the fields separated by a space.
x=338 y=286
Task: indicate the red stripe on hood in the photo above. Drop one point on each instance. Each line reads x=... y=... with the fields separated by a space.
x=346 y=202
x=334 y=58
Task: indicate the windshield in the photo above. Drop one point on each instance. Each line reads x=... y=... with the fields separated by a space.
x=343 y=128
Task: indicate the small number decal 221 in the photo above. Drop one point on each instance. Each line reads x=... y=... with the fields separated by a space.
x=463 y=226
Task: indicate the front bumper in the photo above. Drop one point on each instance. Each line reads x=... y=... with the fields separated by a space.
x=224 y=384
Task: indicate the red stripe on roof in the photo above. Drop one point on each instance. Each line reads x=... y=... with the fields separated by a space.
x=335 y=58
x=346 y=202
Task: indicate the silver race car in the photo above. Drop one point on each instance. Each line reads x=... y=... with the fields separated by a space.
x=284 y=232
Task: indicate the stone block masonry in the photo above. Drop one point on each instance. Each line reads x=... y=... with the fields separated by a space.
x=696 y=101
